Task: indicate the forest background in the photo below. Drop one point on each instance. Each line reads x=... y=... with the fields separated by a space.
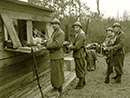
x=94 y=23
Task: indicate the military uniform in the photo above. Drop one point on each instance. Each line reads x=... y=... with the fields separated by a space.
x=109 y=41
x=56 y=57
x=79 y=56
x=91 y=58
x=118 y=54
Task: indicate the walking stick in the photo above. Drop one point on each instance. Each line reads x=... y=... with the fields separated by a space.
x=37 y=77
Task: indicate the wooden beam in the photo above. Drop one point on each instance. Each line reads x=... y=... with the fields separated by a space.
x=11 y=30
x=49 y=30
x=5 y=33
x=25 y=50
x=4 y=4
x=27 y=16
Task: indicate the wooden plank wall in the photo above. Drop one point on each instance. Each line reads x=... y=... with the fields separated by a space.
x=16 y=69
x=15 y=10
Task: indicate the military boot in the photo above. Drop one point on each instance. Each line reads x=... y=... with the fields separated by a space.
x=60 y=89
x=84 y=83
x=114 y=77
x=80 y=83
x=107 y=79
x=118 y=79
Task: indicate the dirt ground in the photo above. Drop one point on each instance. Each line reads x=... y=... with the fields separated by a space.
x=95 y=86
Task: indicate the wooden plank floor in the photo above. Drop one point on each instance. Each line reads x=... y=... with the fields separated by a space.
x=32 y=90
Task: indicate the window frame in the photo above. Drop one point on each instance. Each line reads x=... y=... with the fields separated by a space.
x=10 y=29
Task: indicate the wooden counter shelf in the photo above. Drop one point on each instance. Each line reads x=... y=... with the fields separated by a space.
x=26 y=49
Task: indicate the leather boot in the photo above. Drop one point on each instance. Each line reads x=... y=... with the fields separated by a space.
x=107 y=79
x=114 y=77
x=118 y=79
x=84 y=83
x=60 y=89
x=80 y=84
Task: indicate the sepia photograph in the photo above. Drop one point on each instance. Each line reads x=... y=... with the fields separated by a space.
x=64 y=49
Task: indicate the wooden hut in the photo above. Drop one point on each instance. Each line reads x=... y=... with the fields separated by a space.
x=18 y=20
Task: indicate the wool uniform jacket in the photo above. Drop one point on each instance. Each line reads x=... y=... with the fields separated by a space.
x=55 y=47
x=118 y=46
x=91 y=56
x=78 y=45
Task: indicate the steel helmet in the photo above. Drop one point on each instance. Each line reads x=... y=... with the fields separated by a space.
x=55 y=20
x=109 y=29
x=77 y=24
x=116 y=24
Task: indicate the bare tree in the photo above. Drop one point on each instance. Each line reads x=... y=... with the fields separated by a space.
x=98 y=7
x=62 y=8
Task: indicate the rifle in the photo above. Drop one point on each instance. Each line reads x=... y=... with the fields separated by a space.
x=37 y=77
x=110 y=67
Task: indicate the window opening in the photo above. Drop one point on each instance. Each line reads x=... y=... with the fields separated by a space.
x=21 y=35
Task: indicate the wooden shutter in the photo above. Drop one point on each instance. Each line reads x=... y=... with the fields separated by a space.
x=11 y=30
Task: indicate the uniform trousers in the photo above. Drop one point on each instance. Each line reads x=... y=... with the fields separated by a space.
x=80 y=69
x=118 y=62
x=57 y=73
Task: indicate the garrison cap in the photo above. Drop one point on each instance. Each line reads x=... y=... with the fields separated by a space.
x=55 y=20
x=116 y=24
x=77 y=24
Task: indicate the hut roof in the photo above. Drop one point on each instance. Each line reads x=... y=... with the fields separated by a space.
x=29 y=5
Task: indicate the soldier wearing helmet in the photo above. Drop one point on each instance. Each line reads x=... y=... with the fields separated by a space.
x=117 y=50
x=110 y=35
x=56 y=55
x=55 y=21
x=109 y=31
x=109 y=41
x=77 y=24
x=78 y=54
x=116 y=24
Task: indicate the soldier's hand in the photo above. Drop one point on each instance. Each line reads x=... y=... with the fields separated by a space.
x=44 y=42
x=109 y=48
x=70 y=47
x=66 y=43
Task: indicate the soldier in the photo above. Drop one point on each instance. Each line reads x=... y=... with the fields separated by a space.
x=118 y=51
x=110 y=35
x=109 y=41
x=91 y=59
x=56 y=56
x=79 y=54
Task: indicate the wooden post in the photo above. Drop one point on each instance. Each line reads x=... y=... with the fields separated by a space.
x=49 y=30
x=5 y=33
x=87 y=26
x=29 y=32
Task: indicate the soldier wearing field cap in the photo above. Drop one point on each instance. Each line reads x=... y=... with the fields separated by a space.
x=56 y=55
x=118 y=51
x=79 y=54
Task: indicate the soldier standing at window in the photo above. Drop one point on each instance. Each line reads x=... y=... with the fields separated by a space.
x=56 y=56
x=79 y=54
